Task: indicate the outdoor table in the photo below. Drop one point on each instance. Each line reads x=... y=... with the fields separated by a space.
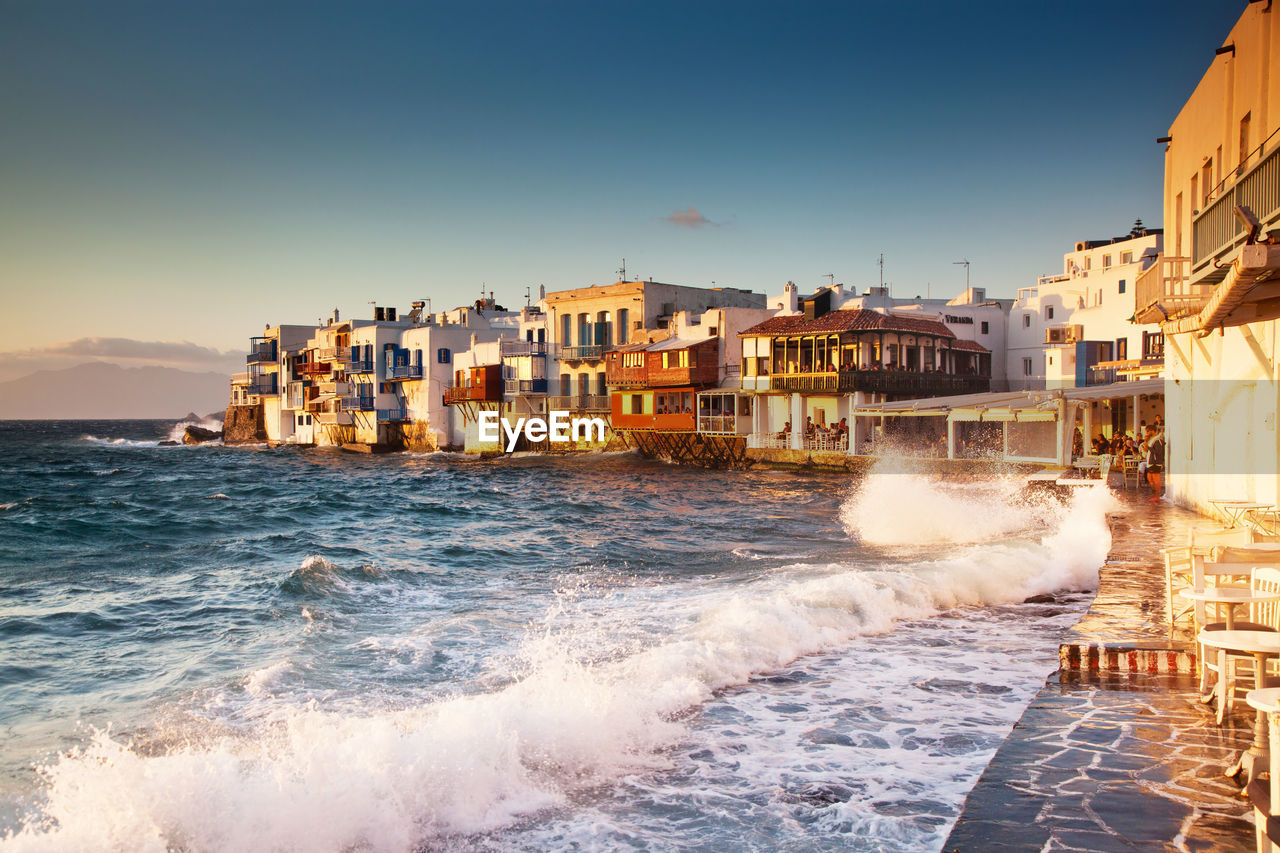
x=1236 y=511
x=1266 y=701
x=1272 y=514
x=1262 y=645
x=1230 y=596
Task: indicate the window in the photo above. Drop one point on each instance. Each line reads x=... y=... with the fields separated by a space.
x=1206 y=180
x=1195 y=182
x=1026 y=321
x=713 y=330
x=443 y=356
x=1244 y=137
x=1086 y=263
x=623 y=330
x=1099 y=302
x=1048 y=312
x=986 y=327
x=601 y=388
x=1106 y=260
x=1126 y=257
x=1026 y=367
x=637 y=404
x=1177 y=230
x=1122 y=349
x=1122 y=285
x=566 y=329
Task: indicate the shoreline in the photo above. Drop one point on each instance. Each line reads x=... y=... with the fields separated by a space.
x=1115 y=752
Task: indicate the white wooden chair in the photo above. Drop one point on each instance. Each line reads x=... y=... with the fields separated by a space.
x=1263 y=616
x=1178 y=568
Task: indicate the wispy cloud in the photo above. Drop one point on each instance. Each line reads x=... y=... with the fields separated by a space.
x=125 y=351
x=690 y=218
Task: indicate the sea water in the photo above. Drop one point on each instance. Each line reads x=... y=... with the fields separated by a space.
x=211 y=648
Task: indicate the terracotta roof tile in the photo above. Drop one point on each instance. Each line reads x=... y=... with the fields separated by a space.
x=848 y=321
x=971 y=346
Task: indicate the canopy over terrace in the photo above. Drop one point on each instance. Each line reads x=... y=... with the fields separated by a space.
x=1032 y=426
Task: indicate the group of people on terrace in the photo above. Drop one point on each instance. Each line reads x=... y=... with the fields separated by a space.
x=834 y=433
x=1149 y=447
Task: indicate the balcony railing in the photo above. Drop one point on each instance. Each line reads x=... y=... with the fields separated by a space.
x=470 y=394
x=1217 y=230
x=358 y=403
x=518 y=387
x=328 y=353
x=335 y=389
x=260 y=353
x=516 y=348
x=314 y=367
x=898 y=383
x=1164 y=289
x=405 y=371
x=782 y=441
x=582 y=403
x=358 y=366
x=393 y=416
x=588 y=353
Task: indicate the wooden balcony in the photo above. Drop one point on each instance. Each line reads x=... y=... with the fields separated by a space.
x=472 y=394
x=312 y=368
x=894 y=383
x=1165 y=290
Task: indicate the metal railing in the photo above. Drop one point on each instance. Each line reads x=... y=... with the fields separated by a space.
x=391 y=416
x=359 y=366
x=1217 y=230
x=405 y=371
x=587 y=353
x=261 y=353
x=357 y=403
x=517 y=387
x=516 y=348
x=581 y=403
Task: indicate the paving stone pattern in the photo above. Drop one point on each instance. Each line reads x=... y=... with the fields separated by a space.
x=1115 y=754
x=1114 y=763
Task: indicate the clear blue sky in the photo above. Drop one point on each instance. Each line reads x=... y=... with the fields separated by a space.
x=183 y=171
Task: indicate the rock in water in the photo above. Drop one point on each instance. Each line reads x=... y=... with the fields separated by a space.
x=199 y=435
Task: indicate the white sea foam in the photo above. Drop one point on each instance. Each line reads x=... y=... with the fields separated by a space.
x=898 y=508
x=393 y=779
x=260 y=682
x=219 y=497
x=119 y=442
x=179 y=429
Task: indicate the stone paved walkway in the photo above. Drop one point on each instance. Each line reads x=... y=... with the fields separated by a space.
x=1107 y=760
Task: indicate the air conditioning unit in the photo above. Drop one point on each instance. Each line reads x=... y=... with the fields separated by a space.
x=1056 y=335
x=1075 y=332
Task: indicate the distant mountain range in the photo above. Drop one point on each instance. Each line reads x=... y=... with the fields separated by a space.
x=103 y=390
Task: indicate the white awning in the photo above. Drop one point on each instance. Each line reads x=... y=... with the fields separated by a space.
x=1009 y=405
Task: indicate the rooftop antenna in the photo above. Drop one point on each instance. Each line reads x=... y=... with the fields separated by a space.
x=880 y=261
x=622 y=273
x=528 y=294
x=831 y=279
x=964 y=263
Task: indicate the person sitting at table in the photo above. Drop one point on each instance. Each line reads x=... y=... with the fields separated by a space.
x=808 y=427
x=786 y=430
